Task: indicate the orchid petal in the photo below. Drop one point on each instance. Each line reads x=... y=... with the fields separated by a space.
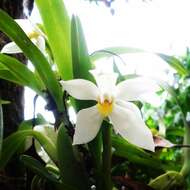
x=130 y=106
x=11 y=48
x=106 y=82
x=151 y=98
x=132 y=89
x=129 y=125
x=87 y=126
x=81 y=89
x=25 y=24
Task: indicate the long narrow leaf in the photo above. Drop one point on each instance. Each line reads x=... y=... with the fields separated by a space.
x=36 y=183
x=1 y=126
x=28 y=125
x=37 y=168
x=174 y=62
x=57 y=27
x=13 y=30
x=21 y=72
x=113 y=51
x=7 y=75
x=15 y=141
x=137 y=155
x=10 y=146
x=80 y=56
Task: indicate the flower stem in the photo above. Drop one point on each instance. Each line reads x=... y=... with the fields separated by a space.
x=95 y=150
x=106 y=156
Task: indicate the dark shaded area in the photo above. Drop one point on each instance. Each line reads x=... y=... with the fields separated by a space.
x=128 y=184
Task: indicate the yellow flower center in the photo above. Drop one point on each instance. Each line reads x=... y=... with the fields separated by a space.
x=105 y=108
x=33 y=34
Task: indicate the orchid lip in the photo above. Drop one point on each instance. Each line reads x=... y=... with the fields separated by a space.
x=33 y=34
x=105 y=107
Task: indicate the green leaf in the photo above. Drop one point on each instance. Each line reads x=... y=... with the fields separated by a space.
x=48 y=131
x=36 y=183
x=80 y=56
x=37 y=168
x=167 y=181
x=47 y=144
x=21 y=72
x=57 y=27
x=175 y=63
x=1 y=127
x=6 y=74
x=113 y=51
x=13 y=30
x=53 y=169
x=175 y=132
x=137 y=155
x=168 y=88
x=4 y=102
x=15 y=141
x=71 y=169
x=10 y=146
x=28 y=125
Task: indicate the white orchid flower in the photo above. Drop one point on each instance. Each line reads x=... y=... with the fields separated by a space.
x=33 y=32
x=112 y=102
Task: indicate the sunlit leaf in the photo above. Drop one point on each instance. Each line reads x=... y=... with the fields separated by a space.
x=48 y=131
x=7 y=75
x=15 y=141
x=28 y=125
x=175 y=63
x=80 y=56
x=57 y=27
x=21 y=72
x=113 y=51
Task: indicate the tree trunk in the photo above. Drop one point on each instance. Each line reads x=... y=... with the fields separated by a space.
x=12 y=177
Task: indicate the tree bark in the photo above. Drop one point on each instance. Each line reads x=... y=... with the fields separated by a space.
x=12 y=177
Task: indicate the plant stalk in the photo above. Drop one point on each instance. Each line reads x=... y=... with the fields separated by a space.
x=95 y=150
x=185 y=171
x=106 y=156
